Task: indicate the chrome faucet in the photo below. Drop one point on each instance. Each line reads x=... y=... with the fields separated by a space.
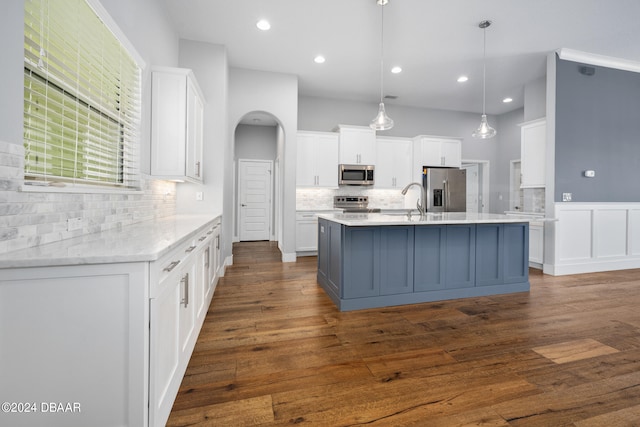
x=422 y=203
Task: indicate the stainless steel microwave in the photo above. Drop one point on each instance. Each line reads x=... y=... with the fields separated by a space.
x=356 y=174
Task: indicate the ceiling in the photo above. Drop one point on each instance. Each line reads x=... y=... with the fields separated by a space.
x=434 y=41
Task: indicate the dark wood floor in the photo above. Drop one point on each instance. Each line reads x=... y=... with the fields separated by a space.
x=274 y=350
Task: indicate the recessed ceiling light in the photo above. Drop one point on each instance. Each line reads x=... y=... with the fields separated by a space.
x=396 y=70
x=319 y=59
x=462 y=79
x=263 y=24
x=507 y=100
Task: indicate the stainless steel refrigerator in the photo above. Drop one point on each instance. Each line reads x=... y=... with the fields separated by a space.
x=446 y=189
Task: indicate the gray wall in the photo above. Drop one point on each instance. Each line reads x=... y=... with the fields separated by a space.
x=256 y=142
x=597 y=128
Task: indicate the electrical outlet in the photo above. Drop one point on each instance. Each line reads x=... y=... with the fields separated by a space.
x=74 y=224
x=566 y=197
x=199 y=195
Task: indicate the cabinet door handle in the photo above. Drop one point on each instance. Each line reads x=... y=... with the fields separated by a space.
x=185 y=282
x=189 y=249
x=206 y=258
x=197 y=169
x=171 y=266
x=217 y=242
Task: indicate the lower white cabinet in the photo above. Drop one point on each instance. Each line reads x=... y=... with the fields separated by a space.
x=536 y=244
x=112 y=340
x=306 y=232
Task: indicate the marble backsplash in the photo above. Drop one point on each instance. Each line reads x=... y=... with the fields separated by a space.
x=533 y=199
x=322 y=198
x=29 y=219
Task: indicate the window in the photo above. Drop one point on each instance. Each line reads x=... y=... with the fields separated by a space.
x=81 y=99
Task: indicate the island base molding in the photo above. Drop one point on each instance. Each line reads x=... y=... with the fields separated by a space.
x=420 y=297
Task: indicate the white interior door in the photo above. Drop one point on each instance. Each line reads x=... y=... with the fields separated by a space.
x=255 y=199
x=473 y=188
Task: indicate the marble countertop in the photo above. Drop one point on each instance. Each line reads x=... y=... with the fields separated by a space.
x=401 y=218
x=143 y=241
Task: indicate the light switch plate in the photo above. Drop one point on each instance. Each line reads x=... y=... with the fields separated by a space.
x=566 y=197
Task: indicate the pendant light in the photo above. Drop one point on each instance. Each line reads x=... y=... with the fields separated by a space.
x=381 y=121
x=484 y=131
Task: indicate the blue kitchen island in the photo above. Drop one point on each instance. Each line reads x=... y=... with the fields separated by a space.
x=368 y=260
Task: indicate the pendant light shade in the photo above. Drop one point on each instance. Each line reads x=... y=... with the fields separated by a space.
x=484 y=131
x=381 y=121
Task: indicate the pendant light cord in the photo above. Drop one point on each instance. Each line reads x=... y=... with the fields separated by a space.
x=484 y=68
x=381 y=51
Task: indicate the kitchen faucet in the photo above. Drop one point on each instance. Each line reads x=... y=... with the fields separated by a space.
x=422 y=203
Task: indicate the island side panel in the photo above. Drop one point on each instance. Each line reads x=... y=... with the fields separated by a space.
x=516 y=253
x=490 y=254
x=429 y=258
x=460 y=256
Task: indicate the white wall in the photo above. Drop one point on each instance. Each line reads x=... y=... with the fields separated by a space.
x=277 y=94
x=209 y=64
x=535 y=99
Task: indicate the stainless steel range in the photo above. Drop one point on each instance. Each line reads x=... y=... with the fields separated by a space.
x=353 y=204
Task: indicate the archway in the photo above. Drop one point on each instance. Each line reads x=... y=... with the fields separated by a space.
x=258 y=147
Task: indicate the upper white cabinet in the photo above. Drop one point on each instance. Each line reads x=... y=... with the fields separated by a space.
x=177 y=119
x=317 y=155
x=393 y=167
x=357 y=145
x=437 y=151
x=533 y=152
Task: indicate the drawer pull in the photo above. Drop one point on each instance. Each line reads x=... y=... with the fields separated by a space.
x=185 y=282
x=210 y=231
x=189 y=249
x=171 y=266
x=202 y=238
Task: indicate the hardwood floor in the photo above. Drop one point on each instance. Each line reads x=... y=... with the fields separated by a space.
x=274 y=350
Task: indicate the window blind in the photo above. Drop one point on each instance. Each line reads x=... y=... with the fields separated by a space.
x=81 y=98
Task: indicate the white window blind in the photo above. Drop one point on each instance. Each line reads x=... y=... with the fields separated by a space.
x=81 y=98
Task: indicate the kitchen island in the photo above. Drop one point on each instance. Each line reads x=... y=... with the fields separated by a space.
x=368 y=260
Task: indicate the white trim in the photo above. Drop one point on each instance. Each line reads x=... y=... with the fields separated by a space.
x=108 y=21
x=590 y=241
x=600 y=60
x=289 y=257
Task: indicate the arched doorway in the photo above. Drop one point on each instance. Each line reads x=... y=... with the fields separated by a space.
x=257 y=187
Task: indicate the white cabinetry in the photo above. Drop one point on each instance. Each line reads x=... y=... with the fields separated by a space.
x=357 y=145
x=536 y=244
x=393 y=167
x=306 y=231
x=180 y=296
x=177 y=121
x=437 y=151
x=116 y=337
x=533 y=152
x=317 y=155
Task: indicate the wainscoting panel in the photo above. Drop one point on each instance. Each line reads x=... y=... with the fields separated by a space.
x=591 y=237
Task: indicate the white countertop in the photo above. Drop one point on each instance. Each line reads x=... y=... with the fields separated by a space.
x=143 y=241
x=379 y=219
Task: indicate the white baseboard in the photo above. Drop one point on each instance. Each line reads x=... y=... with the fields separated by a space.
x=289 y=257
x=591 y=266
